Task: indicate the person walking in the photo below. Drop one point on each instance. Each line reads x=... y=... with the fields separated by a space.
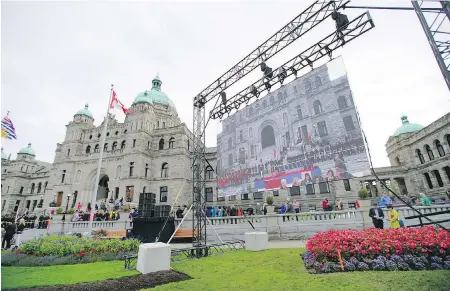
x=10 y=231
x=377 y=216
x=392 y=216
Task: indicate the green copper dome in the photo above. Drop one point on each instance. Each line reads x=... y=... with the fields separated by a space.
x=407 y=127
x=28 y=150
x=85 y=112
x=4 y=156
x=155 y=95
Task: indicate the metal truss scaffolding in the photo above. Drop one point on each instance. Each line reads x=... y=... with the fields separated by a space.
x=436 y=25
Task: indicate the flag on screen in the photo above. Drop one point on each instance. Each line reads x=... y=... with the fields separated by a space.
x=8 y=130
x=115 y=103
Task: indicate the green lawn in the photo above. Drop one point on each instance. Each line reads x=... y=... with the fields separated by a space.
x=275 y=269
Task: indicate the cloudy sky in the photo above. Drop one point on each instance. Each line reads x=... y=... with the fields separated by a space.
x=57 y=56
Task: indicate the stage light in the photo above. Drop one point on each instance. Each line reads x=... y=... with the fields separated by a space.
x=310 y=63
x=268 y=86
x=294 y=71
x=329 y=52
x=199 y=101
x=267 y=71
x=282 y=75
x=254 y=91
x=224 y=97
x=341 y=24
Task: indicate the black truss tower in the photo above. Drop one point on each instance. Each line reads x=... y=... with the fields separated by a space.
x=297 y=27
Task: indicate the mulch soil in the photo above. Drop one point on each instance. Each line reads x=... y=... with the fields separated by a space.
x=131 y=283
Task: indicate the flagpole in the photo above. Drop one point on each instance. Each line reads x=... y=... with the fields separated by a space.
x=99 y=165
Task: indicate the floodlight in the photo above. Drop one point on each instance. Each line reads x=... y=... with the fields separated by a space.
x=282 y=75
x=294 y=71
x=267 y=71
x=254 y=91
x=224 y=97
x=268 y=86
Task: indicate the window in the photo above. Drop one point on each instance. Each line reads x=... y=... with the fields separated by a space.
x=209 y=194
x=99 y=135
x=447 y=171
x=165 y=170
x=244 y=196
x=258 y=195
x=39 y=187
x=439 y=148
x=420 y=156
x=146 y=170
x=285 y=119
x=45 y=186
x=220 y=198
x=163 y=194
x=171 y=143
x=105 y=147
x=317 y=81
x=322 y=127
x=232 y=198
x=250 y=132
x=157 y=124
x=275 y=193
x=429 y=152
x=299 y=112
x=230 y=143
x=63 y=176
x=114 y=146
x=164 y=124
x=131 y=168
x=308 y=86
x=348 y=123
x=125 y=131
x=438 y=178
x=90 y=137
x=241 y=136
x=161 y=144
x=116 y=133
x=97 y=148
x=107 y=134
x=123 y=144
x=342 y=102
x=209 y=173
x=267 y=137
x=68 y=152
x=317 y=107
x=427 y=177
x=32 y=188
x=230 y=160
x=21 y=190
x=323 y=187
x=134 y=143
x=346 y=184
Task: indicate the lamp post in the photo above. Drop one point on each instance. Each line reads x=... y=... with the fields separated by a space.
x=41 y=202
x=53 y=203
x=111 y=200
x=68 y=198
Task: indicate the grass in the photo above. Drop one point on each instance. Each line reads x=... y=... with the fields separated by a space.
x=274 y=269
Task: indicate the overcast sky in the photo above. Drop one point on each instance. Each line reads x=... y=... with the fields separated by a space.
x=57 y=56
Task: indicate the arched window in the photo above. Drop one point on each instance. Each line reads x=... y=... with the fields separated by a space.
x=161 y=144
x=39 y=187
x=209 y=173
x=420 y=156
x=397 y=161
x=317 y=107
x=230 y=143
x=427 y=177
x=308 y=86
x=285 y=119
x=438 y=177
x=32 y=188
x=272 y=100
x=124 y=143
x=114 y=146
x=429 y=152
x=447 y=137
x=250 y=132
x=439 y=148
x=45 y=186
x=105 y=147
x=299 y=112
x=317 y=81
x=267 y=137
x=88 y=149
x=342 y=102
x=165 y=170
x=264 y=104
x=171 y=143
x=97 y=148
x=164 y=124
x=118 y=172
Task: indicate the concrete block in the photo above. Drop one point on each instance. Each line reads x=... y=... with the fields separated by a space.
x=153 y=257
x=256 y=241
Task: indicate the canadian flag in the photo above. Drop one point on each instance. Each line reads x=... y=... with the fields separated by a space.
x=115 y=103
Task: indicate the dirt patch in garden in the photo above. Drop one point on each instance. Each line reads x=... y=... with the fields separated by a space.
x=131 y=283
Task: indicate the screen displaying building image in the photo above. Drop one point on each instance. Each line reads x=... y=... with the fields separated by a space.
x=302 y=134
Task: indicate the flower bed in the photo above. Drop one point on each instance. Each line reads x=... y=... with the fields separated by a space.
x=378 y=249
x=62 y=250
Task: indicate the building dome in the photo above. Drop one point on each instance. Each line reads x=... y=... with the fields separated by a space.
x=4 y=156
x=155 y=95
x=28 y=150
x=85 y=112
x=407 y=127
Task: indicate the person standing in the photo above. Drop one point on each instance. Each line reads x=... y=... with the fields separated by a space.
x=377 y=216
x=392 y=216
x=10 y=231
x=296 y=206
x=424 y=200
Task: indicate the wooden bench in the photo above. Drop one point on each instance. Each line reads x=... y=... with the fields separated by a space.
x=116 y=233
x=183 y=233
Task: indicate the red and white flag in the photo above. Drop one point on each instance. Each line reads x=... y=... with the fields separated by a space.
x=115 y=103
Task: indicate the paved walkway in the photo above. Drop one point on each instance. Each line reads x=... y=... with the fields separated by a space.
x=275 y=244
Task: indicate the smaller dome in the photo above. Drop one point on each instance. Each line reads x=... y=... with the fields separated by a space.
x=407 y=127
x=85 y=112
x=28 y=150
x=4 y=156
x=143 y=97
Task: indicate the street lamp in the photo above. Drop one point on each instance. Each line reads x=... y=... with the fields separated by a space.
x=111 y=200
x=41 y=202
x=68 y=198
x=53 y=203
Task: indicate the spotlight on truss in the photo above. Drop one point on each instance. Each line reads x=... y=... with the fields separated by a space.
x=294 y=71
x=224 y=97
x=329 y=52
x=199 y=101
x=268 y=86
x=341 y=24
x=268 y=73
x=282 y=75
x=310 y=63
x=254 y=92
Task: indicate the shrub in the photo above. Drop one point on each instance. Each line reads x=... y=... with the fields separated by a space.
x=126 y=208
x=71 y=211
x=363 y=193
x=59 y=210
x=363 y=266
x=403 y=266
x=269 y=200
x=391 y=265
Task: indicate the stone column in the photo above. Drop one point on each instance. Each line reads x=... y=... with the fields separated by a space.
x=364 y=208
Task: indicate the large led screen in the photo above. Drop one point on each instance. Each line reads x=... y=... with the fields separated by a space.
x=304 y=133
